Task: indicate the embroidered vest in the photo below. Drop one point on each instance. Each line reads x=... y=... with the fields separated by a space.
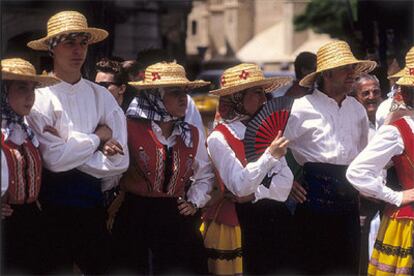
x=25 y=169
x=148 y=166
x=404 y=166
x=224 y=211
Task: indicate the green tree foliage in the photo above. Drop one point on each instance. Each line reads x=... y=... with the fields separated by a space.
x=334 y=17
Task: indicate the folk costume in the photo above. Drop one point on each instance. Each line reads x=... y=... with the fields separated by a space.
x=324 y=138
x=21 y=171
x=393 y=249
x=262 y=220
x=71 y=193
x=151 y=234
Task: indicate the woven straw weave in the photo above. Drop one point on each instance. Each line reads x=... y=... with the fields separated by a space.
x=67 y=22
x=20 y=69
x=333 y=55
x=409 y=59
x=407 y=78
x=247 y=75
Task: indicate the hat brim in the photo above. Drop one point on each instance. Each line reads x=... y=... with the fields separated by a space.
x=361 y=66
x=406 y=81
x=141 y=85
x=269 y=85
x=97 y=35
x=40 y=79
x=397 y=75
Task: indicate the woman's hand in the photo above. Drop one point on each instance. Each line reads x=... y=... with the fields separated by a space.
x=408 y=196
x=278 y=147
x=186 y=208
x=51 y=130
x=298 y=193
x=112 y=147
x=6 y=210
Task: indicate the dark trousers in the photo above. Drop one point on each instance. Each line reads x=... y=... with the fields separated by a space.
x=150 y=236
x=76 y=236
x=266 y=230
x=22 y=241
x=328 y=228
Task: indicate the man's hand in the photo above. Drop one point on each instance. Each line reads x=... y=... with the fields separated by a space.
x=112 y=147
x=6 y=210
x=104 y=133
x=298 y=193
x=186 y=208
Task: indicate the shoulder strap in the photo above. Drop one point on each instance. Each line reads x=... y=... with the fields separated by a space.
x=235 y=144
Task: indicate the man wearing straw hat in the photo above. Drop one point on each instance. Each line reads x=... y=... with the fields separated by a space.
x=327 y=129
x=82 y=135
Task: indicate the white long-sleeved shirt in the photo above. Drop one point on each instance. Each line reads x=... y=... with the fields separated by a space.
x=365 y=172
x=203 y=176
x=243 y=181
x=382 y=112
x=320 y=130
x=75 y=111
x=17 y=136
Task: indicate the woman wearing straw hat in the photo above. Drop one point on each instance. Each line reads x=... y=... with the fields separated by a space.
x=21 y=167
x=87 y=149
x=169 y=179
x=263 y=218
x=327 y=129
x=393 y=250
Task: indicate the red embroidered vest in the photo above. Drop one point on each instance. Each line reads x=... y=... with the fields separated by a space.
x=25 y=169
x=224 y=211
x=146 y=172
x=404 y=166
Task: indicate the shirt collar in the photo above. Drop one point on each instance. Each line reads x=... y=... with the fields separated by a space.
x=237 y=128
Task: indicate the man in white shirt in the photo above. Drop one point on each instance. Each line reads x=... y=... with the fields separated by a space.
x=327 y=129
x=83 y=139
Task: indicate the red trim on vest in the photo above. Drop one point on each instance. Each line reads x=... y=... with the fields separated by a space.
x=146 y=171
x=404 y=166
x=227 y=211
x=25 y=168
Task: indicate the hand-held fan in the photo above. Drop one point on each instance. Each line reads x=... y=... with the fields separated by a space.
x=264 y=126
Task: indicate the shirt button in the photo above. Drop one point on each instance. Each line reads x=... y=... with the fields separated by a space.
x=182 y=179
x=141 y=148
x=148 y=173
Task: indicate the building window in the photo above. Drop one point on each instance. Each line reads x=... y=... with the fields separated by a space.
x=193 y=27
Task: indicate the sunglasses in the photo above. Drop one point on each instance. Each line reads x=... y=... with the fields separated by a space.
x=106 y=84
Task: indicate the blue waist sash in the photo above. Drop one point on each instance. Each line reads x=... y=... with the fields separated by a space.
x=71 y=188
x=328 y=190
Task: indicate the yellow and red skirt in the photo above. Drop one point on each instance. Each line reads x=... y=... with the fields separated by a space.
x=223 y=244
x=393 y=249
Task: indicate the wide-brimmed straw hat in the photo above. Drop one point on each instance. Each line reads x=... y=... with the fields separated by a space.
x=409 y=59
x=166 y=74
x=66 y=22
x=244 y=76
x=333 y=55
x=22 y=70
x=407 y=78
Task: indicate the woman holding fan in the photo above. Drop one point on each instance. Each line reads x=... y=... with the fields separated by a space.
x=263 y=218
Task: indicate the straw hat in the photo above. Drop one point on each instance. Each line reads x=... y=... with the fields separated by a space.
x=407 y=78
x=333 y=55
x=64 y=23
x=244 y=76
x=409 y=59
x=166 y=74
x=20 y=69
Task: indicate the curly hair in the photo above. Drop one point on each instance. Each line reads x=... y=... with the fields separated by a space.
x=112 y=66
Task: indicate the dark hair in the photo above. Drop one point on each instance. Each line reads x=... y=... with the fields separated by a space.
x=106 y=65
x=304 y=60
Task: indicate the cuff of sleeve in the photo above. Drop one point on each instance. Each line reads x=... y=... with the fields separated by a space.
x=268 y=161
x=260 y=193
x=95 y=140
x=399 y=198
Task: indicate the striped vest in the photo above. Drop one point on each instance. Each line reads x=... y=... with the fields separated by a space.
x=25 y=168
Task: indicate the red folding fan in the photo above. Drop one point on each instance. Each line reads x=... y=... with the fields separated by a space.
x=263 y=128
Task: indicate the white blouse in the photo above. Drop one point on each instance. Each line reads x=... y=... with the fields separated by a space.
x=243 y=181
x=364 y=173
x=382 y=112
x=203 y=177
x=320 y=130
x=75 y=111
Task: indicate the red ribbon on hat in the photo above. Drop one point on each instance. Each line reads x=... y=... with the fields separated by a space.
x=222 y=80
x=411 y=70
x=155 y=76
x=244 y=75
